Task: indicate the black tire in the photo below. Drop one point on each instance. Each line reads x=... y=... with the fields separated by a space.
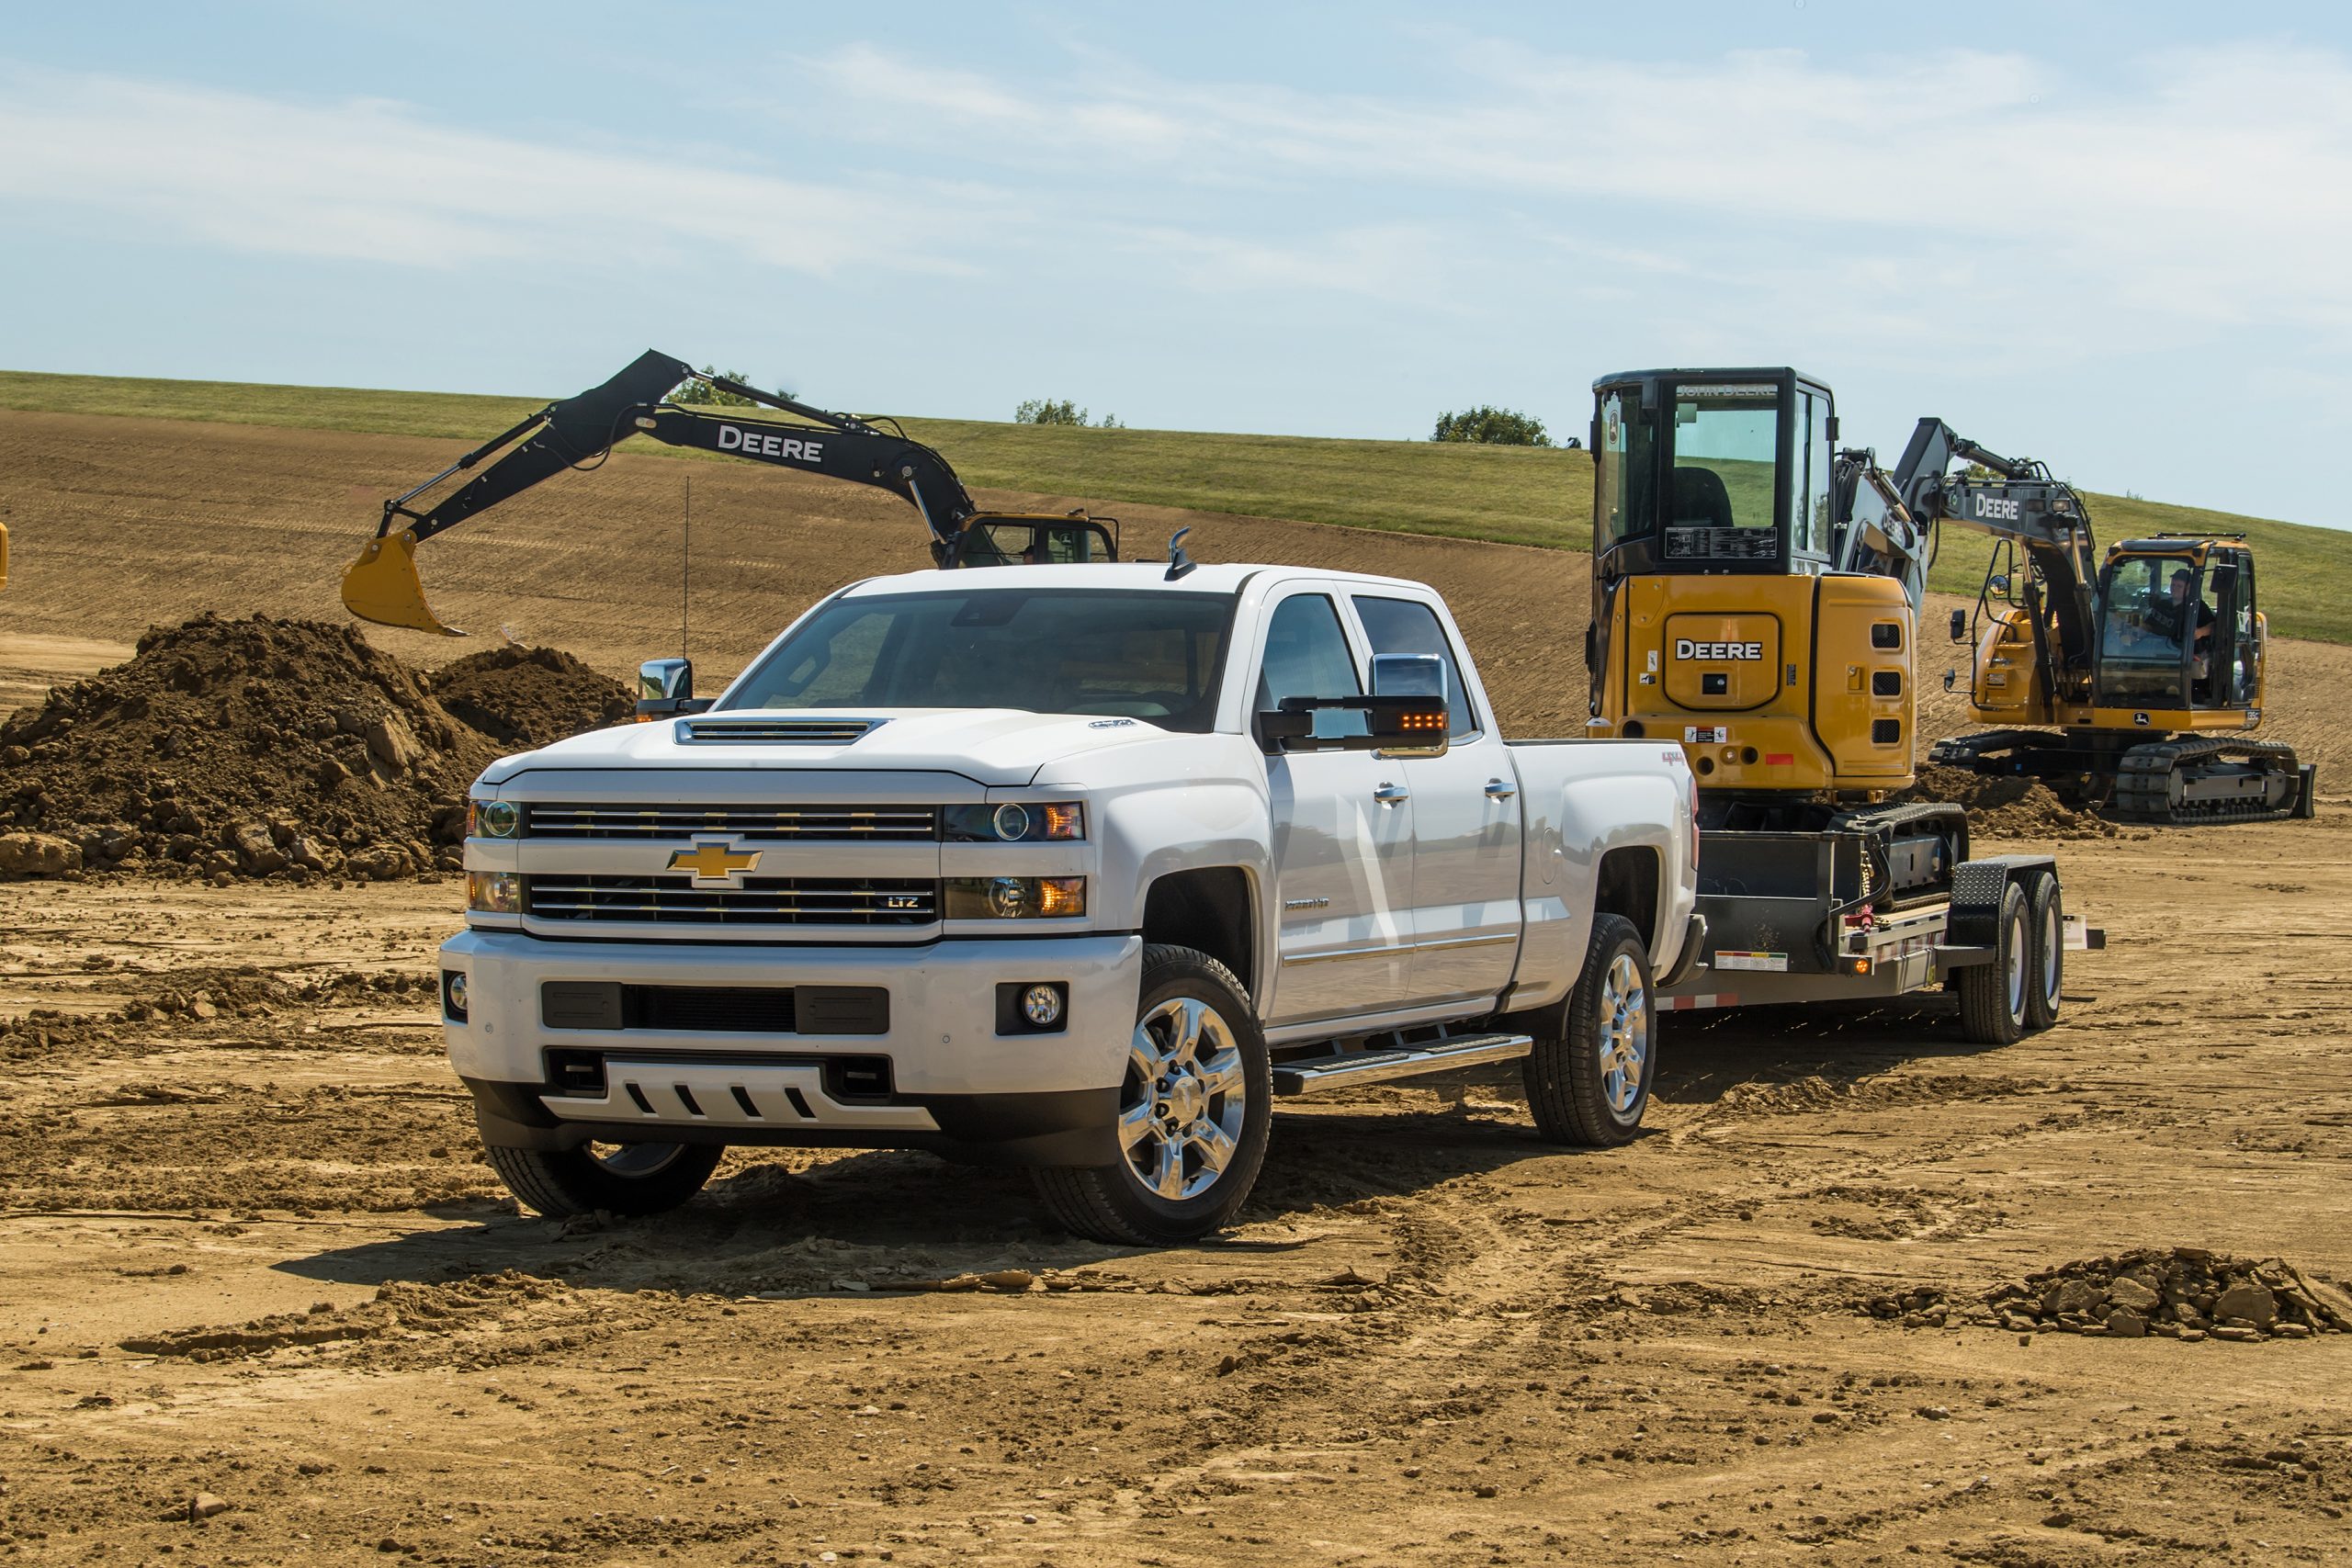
x=1995 y=998
x=2045 y=917
x=634 y=1178
x=1115 y=1202
x=1578 y=1082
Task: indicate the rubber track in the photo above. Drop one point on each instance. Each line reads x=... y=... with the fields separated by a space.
x=2143 y=781
x=1974 y=752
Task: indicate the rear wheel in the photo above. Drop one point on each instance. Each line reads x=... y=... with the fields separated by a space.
x=620 y=1178
x=2045 y=917
x=1995 y=998
x=1589 y=1077
x=1196 y=1111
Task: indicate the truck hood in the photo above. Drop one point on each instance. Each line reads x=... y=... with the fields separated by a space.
x=1001 y=747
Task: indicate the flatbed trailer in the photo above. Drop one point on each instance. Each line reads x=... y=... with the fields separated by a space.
x=1786 y=921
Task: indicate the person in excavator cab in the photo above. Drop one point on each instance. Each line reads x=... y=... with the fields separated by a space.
x=2182 y=607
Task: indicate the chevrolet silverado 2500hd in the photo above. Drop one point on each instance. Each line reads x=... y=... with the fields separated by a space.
x=1077 y=867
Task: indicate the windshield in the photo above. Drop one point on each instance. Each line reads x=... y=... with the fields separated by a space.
x=1131 y=655
x=1726 y=459
x=2153 y=604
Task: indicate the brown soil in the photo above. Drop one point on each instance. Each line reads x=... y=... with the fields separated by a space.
x=249 y=1251
x=2007 y=807
x=528 y=697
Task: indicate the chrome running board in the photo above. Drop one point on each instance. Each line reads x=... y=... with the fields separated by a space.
x=1340 y=1069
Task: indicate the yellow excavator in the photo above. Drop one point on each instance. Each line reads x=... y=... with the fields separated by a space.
x=382 y=584
x=2141 y=675
x=1755 y=602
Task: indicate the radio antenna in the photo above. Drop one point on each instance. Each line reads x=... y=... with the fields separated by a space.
x=685 y=564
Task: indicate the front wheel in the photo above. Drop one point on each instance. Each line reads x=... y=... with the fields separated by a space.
x=1589 y=1077
x=625 y=1179
x=1195 y=1111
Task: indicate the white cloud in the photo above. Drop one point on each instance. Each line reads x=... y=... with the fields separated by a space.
x=375 y=180
x=1982 y=191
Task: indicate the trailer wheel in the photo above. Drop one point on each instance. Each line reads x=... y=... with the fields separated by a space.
x=1995 y=998
x=1195 y=1112
x=1588 y=1076
x=2045 y=917
x=632 y=1178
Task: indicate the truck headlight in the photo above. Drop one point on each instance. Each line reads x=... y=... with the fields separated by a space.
x=493 y=819
x=1015 y=898
x=1016 y=822
x=494 y=893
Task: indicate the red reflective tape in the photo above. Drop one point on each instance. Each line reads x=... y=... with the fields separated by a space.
x=1779 y=759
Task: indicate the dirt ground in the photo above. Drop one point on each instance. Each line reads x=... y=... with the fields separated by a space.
x=247 y=1253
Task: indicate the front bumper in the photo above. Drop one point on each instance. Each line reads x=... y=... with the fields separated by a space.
x=952 y=1081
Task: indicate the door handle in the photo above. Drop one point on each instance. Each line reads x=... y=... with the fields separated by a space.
x=1497 y=789
x=1390 y=795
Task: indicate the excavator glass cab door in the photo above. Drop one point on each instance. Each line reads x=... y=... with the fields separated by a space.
x=2155 y=631
x=2233 y=675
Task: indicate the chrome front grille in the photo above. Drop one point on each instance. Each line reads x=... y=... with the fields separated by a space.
x=772 y=731
x=762 y=900
x=845 y=824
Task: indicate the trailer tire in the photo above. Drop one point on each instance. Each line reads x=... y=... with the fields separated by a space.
x=1995 y=998
x=1216 y=1078
x=1589 y=1077
x=2045 y=916
x=635 y=1180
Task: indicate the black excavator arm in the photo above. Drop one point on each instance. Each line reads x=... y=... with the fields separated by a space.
x=577 y=432
x=2023 y=503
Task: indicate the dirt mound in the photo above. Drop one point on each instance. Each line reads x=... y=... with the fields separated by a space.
x=2180 y=1293
x=252 y=748
x=529 y=697
x=2006 y=808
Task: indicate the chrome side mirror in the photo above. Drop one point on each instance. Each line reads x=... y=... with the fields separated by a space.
x=1417 y=675
x=666 y=686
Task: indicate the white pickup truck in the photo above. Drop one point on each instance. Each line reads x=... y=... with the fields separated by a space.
x=1077 y=867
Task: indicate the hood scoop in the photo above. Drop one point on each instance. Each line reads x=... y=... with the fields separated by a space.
x=749 y=731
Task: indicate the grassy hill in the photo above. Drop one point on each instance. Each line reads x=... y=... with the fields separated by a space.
x=1515 y=495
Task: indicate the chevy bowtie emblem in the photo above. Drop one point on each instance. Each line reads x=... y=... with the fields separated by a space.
x=716 y=861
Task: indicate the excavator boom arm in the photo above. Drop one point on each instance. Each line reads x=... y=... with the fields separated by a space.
x=576 y=432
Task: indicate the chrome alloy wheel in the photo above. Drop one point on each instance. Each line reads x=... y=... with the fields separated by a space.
x=1182 y=1107
x=1624 y=1033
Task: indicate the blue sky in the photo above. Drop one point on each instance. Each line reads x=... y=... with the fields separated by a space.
x=2076 y=232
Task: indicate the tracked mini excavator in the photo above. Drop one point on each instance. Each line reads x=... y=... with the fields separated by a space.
x=2147 y=669
x=383 y=585
x=1755 y=600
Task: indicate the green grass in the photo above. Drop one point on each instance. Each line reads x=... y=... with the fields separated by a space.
x=1513 y=494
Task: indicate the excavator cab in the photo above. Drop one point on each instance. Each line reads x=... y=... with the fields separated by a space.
x=1037 y=539
x=1727 y=612
x=2179 y=631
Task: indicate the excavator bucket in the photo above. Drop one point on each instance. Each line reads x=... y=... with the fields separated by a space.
x=382 y=586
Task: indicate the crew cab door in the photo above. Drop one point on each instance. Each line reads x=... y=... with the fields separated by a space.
x=1467 y=820
x=1342 y=836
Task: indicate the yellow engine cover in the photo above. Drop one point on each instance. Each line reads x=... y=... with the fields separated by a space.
x=1769 y=682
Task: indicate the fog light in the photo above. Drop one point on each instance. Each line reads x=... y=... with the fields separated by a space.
x=1042 y=1005
x=453 y=991
x=494 y=893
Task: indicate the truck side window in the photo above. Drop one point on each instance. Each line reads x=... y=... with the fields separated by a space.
x=1308 y=656
x=1407 y=625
